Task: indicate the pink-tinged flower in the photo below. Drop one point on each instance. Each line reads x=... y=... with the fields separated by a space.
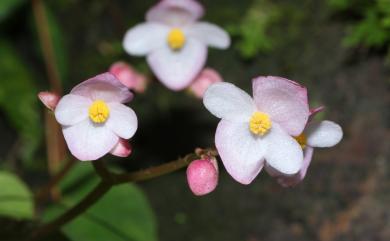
x=316 y=134
x=206 y=78
x=202 y=176
x=49 y=99
x=128 y=76
x=174 y=42
x=256 y=131
x=94 y=119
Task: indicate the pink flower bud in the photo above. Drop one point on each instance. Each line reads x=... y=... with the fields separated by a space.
x=202 y=176
x=49 y=99
x=122 y=149
x=206 y=77
x=129 y=77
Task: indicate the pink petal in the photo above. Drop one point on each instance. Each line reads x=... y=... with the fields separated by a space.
x=315 y=111
x=49 y=99
x=175 y=12
x=284 y=100
x=145 y=38
x=202 y=177
x=283 y=152
x=210 y=34
x=241 y=153
x=129 y=77
x=206 y=78
x=72 y=109
x=122 y=148
x=122 y=120
x=177 y=69
x=87 y=141
x=293 y=180
x=227 y=101
x=103 y=87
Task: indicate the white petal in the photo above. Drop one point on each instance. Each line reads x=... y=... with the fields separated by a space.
x=323 y=134
x=87 y=141
x=283 y=152
x=177 y=69
x=210 y=34
x=72 y=109
x=122 y=120
x=227 y=101
x=144 y=38
x=240 y=151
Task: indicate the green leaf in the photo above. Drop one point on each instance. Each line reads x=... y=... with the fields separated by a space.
x=122 y=214
x=18 y=99
x=15 y=198
x=8 y=6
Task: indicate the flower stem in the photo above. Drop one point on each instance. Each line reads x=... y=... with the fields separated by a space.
x=108 y=180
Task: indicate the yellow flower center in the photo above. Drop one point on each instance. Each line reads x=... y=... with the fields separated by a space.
x=176 y=39
x=99 y=111
x=260 y=123
x=302 y=140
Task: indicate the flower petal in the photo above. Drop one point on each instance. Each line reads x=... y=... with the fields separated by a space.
x=283 y=152
x=122 y=121
x=175 y=12
x=122 y=148
x=284 y=100
x=87 y=141
x=210 y=34
x=323 y=134
x=292 y=180
x=226 y=101
x=177 y=69
x=144 y=38
x=72 y=109
x=241 y=153
x=103 y=87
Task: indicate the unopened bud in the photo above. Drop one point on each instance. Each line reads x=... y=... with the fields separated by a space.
x=122 y=149
x=202 y=176
x=206 y=77
x=49 y=99
x=129 y=77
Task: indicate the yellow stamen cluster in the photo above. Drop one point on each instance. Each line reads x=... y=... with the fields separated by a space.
x=176 y=39
x=302 y=140
x=260 y=123
x=99 y=112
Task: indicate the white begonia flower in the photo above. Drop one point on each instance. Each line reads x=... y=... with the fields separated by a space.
x=94 y=119
x=256 y=131
x=174 y=43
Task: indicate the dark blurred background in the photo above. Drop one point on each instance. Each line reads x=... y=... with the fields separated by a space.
x=337 y=48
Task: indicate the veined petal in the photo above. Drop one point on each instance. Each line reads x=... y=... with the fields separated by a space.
x=144 y=38
x=103 y=87
x=241 y=153
x=283 y=152
x=177 y=69
x=87 y=141
x=284 y=100
x=72 y=109
x=175 y=12
x=210 y=34
x=122 y=121
x=323 y=134
x=226 y=101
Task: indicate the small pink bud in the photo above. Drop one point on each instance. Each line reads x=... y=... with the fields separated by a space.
x=49 y=99
x=206 y=77
x=129 y=77
x=122 y=149
x=202 y=176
